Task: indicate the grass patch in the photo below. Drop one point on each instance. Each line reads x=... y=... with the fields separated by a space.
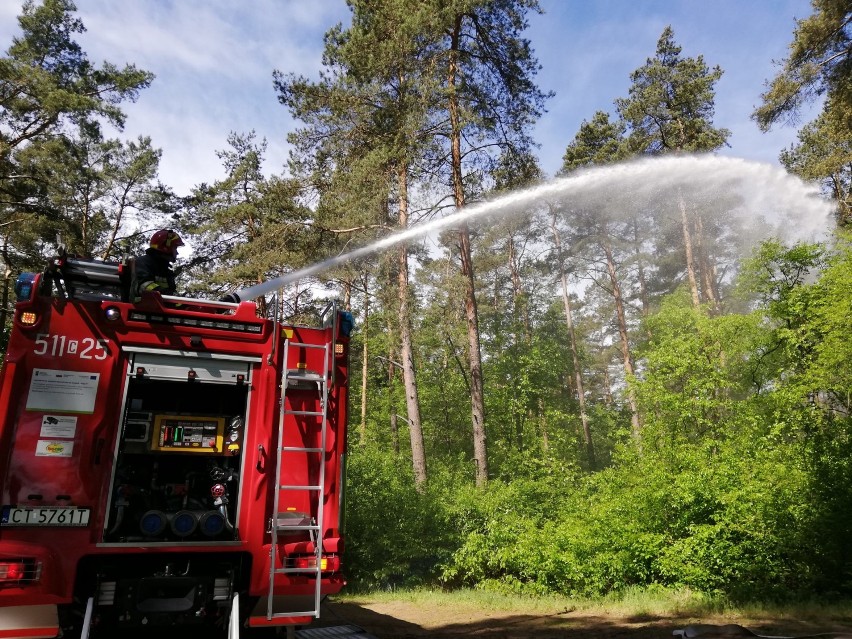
x=462 y=599
x=632 y=603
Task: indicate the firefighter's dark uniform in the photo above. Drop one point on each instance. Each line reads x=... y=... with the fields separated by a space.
x=152 y=272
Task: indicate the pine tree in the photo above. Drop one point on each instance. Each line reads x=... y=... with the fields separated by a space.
x=823 y=154
x=370 y=106
x=819 y=63
x=490 y=99
x=249 y=228
x=48 y=90
x=670 y=110
x=600 y=142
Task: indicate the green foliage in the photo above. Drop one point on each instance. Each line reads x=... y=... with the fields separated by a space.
x=725 y=520
x=597 y=142
x=48 y=80
x=697 y=371
x=249 y=228
x=58 y=173
x=671 y=103
x=741 y=485
x=775 y=272
x=818 y=63
x=496 y=526
x=395 y=535
x=823 y=153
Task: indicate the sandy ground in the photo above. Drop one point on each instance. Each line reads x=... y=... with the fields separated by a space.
x=402 y=619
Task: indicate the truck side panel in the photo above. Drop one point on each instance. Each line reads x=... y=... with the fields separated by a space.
x=138 y=453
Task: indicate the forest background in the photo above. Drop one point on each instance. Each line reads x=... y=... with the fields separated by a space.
x=556 y=402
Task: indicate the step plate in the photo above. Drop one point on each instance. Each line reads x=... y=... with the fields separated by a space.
x=29 y=621
x=287 y=606
x=334 y=632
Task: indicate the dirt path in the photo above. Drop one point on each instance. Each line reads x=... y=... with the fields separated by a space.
x=402 y=619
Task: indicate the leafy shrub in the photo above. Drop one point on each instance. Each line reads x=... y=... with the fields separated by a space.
x=395 y=535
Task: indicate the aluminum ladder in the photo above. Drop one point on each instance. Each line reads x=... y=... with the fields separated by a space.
x=300 y=381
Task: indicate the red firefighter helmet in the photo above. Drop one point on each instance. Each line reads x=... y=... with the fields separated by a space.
x=166 y=241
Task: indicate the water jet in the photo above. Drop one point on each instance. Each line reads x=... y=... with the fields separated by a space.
x=763 y=199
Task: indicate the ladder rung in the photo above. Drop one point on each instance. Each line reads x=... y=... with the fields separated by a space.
x=293 y=520
x=309 y=413
x=294 y=613
x=286 y=522
x=296 y=571
x=296 y=385
x=304 y=376
x=292 y=487
x=302 y=519
x=304 y=345
x=299 y=449
x=281 y=526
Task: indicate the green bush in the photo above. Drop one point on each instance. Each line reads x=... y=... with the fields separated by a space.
x=739 y=488
x=395 y=535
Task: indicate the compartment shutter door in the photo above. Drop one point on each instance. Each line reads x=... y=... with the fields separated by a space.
x=209 y=368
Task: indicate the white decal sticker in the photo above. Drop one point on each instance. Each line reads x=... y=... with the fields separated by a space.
x=58 y=426
x=54 y=448
x=63 y=391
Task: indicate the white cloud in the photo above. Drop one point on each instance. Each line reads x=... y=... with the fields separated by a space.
x=216 y=38
x=213 y=61
x=9 y=12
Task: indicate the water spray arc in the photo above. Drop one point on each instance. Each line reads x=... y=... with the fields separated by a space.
x=512 y=202
x=768 y=198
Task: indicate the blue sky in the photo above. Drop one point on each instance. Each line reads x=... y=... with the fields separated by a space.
x=213 y=61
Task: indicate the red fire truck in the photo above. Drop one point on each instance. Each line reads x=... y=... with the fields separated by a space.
x=166 y=461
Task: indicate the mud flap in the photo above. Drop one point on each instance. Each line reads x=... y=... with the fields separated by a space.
x=29 y=622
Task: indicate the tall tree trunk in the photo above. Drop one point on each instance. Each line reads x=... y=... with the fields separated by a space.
x=477 y=400
x=412 y=402
x=640 y=268
x=690 y=258
x=709 y=287
x=495 y=295
x=519 y=303
x=364 y=363
x=392 y=403
x=607 y=383
x=4 y=300
x=626 y=355
x=7 y=280
x=519 y=315
x=572 y=338
x=347 y=294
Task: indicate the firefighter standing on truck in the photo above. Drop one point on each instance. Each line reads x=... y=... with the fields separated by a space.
x=153 y=271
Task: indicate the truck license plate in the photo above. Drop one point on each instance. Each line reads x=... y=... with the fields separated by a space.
x=17 y=516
